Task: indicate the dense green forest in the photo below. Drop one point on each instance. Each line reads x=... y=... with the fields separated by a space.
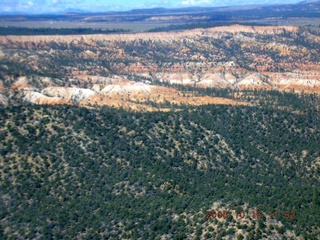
x=69 y=172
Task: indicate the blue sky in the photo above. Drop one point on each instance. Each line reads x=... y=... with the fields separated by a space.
x=45 y=6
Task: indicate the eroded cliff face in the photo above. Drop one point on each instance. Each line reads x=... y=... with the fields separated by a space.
x=105 y=69
x=105 y=91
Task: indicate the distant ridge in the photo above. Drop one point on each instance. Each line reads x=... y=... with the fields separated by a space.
x=308 y=9
x=309 y=1
x=75 y=10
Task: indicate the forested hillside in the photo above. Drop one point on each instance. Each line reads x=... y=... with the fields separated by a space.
x=192 y=123
x=69 y=172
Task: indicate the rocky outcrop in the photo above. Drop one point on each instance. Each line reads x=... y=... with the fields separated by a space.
x=252 y=81
x=127 y=94
x=126 y=89
x=74 y=95
x=4 y=101
x=38 y=98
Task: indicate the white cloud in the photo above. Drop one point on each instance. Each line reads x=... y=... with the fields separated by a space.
x=218 y=3
x=195 y=2
x=6 y=9
x=152 y=4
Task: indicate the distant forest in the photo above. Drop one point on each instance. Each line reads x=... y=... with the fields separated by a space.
x=188 y=26
x=56 y=31
x=19 y=31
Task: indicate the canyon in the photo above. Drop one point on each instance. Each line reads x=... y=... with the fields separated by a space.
x=141 y=71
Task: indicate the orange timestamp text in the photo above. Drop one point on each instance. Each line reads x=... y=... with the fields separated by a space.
x=254 y=214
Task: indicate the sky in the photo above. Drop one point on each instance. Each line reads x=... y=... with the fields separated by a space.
x=52 y=6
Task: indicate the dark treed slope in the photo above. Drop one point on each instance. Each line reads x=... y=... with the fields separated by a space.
x=56 y=31
x=73 y=172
